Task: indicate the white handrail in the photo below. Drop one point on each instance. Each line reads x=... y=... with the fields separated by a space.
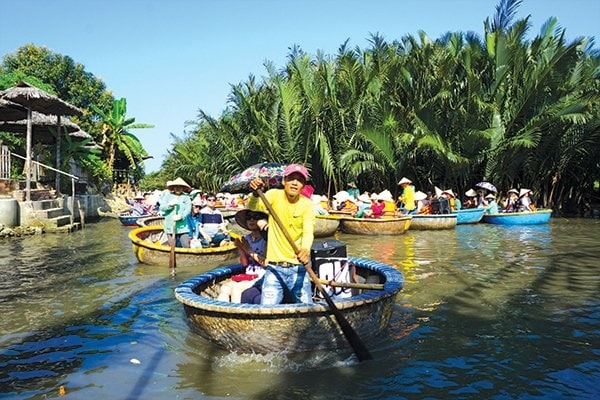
x=73 y=178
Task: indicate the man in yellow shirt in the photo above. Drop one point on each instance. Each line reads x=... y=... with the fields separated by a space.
x=408 y=195
x=285 y=269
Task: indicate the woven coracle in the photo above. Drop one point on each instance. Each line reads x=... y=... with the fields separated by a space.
x=146 y=244
x=151 y=221
x=287 y=328
x=326 y=225
x=376 y=226
x=424 y=222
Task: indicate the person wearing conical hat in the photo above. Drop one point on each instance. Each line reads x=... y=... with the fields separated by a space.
x=318 y=205
x=175 y=206
x=363 y=202
x=422 y=202
x=511 y=203
x=352 y=190
x=492 y=207
x=346 y=203
x=454 y=202
x=471 y=199
x=525 y=203
x=407 y=199
x=252 y=249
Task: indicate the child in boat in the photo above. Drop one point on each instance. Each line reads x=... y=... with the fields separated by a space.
x=252 y=255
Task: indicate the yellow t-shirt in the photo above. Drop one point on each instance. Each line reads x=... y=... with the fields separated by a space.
x=408 y=198
x=298 y=218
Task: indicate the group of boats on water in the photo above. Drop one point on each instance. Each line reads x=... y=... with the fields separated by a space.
x=298 y=327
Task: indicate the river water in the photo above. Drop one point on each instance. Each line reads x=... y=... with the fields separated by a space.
x=486 y=312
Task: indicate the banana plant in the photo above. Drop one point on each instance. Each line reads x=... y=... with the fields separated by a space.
x=116 y=136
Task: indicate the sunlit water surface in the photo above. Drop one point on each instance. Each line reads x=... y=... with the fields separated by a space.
x=486 y=312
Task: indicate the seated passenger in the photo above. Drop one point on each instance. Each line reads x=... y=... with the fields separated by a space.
x=524 y=202
x=138 y=206
x=492 y=207
x=252 y=256
x=364 y=206
x=452 y=200
x=318 y=204
x=345 y=203
x=422 y=203
x=471 y=201
x=511 y=201
x=212 y=226
x=377 y=207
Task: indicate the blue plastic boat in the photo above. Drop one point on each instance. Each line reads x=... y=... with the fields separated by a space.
x=468 y=215
x=519 y=218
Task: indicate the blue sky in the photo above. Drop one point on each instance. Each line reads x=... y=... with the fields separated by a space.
x=171 y=58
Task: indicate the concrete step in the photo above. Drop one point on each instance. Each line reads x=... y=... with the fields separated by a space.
x=64 y=228
x=44 y=204
x=57 y=222
x=54 y=212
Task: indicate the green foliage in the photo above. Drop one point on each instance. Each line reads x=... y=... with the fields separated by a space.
x=116 y=137
x=447 y=112
x=62 y=76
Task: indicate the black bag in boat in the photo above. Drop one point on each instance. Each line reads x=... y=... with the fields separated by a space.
x=441 y=205
x=330 y=262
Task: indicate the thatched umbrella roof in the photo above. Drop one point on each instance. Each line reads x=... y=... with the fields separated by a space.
x=39 y=100
x=35 y=99
x=40 y=125
x=10 y=111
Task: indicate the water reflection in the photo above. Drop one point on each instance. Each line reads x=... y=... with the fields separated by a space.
x=486 y=312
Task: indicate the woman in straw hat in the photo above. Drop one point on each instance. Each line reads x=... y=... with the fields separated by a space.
x=175 y=206
x=253 y=248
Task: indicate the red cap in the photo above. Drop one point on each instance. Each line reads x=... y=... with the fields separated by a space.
x=290 y=169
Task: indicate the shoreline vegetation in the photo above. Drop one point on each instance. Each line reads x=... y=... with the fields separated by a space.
x=505 y=106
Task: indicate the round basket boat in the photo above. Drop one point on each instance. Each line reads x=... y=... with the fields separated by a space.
x=154 y=220
x=326 y=225
x=150 y=246
x=287 y=328
x=376 y=226
x=422 y=222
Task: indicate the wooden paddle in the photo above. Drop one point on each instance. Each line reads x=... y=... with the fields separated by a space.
x=357 y=345
x=172 y=257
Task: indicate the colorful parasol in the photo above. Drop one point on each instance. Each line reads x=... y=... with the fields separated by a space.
x=271 y=173
x=488 y=186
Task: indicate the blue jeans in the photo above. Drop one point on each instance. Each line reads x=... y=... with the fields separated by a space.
x=216 y=240
x=292 y=282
